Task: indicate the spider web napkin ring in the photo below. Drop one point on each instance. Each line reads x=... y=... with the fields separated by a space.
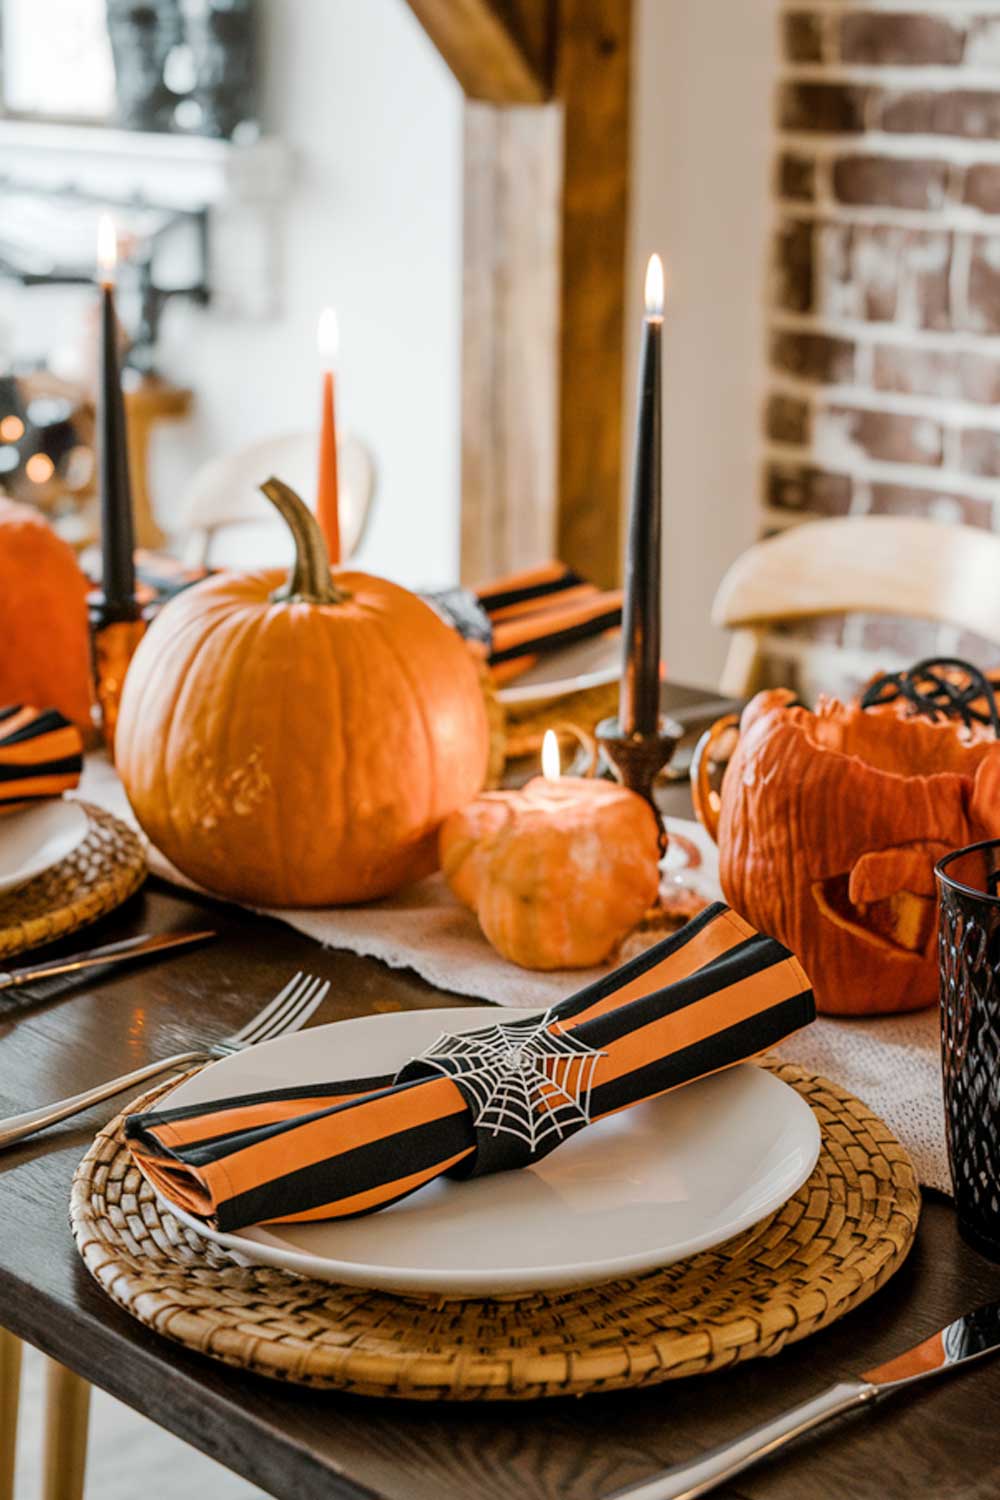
x=528 y=1085
x=532 y=1084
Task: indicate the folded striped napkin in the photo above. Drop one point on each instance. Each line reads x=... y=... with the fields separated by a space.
x=711 y=995
x=518 y=618
x=41 y=755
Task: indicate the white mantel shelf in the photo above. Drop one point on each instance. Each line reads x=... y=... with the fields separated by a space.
x=238 y=183
x=32 y=151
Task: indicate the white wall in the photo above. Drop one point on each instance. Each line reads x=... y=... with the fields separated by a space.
x=701 y=163
x=371 y=223
x=373 y=226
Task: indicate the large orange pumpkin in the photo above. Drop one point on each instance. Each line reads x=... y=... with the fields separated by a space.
x=830 y=825
x=299 y=744
x=44 y=640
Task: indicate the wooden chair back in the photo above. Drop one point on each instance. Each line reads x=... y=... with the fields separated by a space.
x=917 y=569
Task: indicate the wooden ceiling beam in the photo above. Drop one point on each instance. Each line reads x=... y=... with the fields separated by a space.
x=499 y=50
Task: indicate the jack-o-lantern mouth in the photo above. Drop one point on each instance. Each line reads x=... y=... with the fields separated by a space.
x=903 y=921
x=887 y=897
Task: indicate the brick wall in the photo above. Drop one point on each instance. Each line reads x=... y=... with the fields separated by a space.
x=884 y=343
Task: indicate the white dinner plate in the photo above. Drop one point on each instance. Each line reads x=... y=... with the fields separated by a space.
x=586 y=664
x=36 y=837
x=638 y=1190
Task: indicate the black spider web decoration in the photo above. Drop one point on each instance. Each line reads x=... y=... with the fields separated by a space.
x=525 y=1080
x=940 y=687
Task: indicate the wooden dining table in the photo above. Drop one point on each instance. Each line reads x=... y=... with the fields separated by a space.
x=297 y=1444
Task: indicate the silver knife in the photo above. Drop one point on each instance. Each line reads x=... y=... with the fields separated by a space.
x=111 y=953
x=968 y=1338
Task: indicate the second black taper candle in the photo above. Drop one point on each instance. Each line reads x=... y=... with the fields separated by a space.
x=639 y=696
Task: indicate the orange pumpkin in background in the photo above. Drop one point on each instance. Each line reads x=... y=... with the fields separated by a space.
x=299 y=744
x=829 y=828
x=44 y=635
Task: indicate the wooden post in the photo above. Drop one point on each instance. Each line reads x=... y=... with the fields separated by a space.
x=546 y=198
x=10 y=1394
x=510 y=337
x=146 y=404
x=67 y=1412
x=592 y=82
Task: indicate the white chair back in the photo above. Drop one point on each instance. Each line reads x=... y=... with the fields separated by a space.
x=224 y=521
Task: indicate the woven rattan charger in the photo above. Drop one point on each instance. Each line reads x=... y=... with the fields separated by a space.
x=101 y=872
x=832 y=1245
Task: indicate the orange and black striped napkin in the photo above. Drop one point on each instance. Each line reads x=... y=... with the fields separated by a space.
x=41 y=755
x=709 y=996
x=519 y=618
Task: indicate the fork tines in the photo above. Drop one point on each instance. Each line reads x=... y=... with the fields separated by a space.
x=289 y=1011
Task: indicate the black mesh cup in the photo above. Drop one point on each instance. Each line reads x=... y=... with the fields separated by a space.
x=969 y=958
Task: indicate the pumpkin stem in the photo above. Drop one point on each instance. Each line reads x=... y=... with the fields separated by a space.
x=309 y=582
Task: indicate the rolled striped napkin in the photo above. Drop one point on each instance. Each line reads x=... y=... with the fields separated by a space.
x=41 y=755
x=503 y=1096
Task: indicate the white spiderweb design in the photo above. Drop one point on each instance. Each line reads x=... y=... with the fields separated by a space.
x=525 y=1080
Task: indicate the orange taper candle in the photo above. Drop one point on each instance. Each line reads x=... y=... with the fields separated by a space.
x=327 y=497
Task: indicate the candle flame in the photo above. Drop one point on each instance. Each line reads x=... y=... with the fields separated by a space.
x=327 y=336
x=551 y=765
x=654 y=287
x=107 y=248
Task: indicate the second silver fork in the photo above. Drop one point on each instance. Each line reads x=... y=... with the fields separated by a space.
x=289 y=1011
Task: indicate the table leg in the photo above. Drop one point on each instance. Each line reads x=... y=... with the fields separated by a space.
x=10 y=1391
x=67 y=1408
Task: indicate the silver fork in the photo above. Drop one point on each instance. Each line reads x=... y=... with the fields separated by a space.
x=289 y=1011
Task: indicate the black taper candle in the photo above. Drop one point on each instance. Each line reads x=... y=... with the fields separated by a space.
x=639 y=696
x=117 y=524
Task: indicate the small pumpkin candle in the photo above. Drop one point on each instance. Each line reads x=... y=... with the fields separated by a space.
x=557 y=873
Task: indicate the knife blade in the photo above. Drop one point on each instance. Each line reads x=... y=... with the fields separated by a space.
x=110 y=953
x=968 y=1338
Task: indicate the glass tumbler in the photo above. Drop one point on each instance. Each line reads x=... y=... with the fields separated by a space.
x=969 y=957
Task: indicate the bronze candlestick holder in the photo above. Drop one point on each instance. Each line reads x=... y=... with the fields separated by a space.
x=637 y=759
x=115 y=631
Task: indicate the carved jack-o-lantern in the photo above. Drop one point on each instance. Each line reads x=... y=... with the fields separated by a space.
x=829 y=827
